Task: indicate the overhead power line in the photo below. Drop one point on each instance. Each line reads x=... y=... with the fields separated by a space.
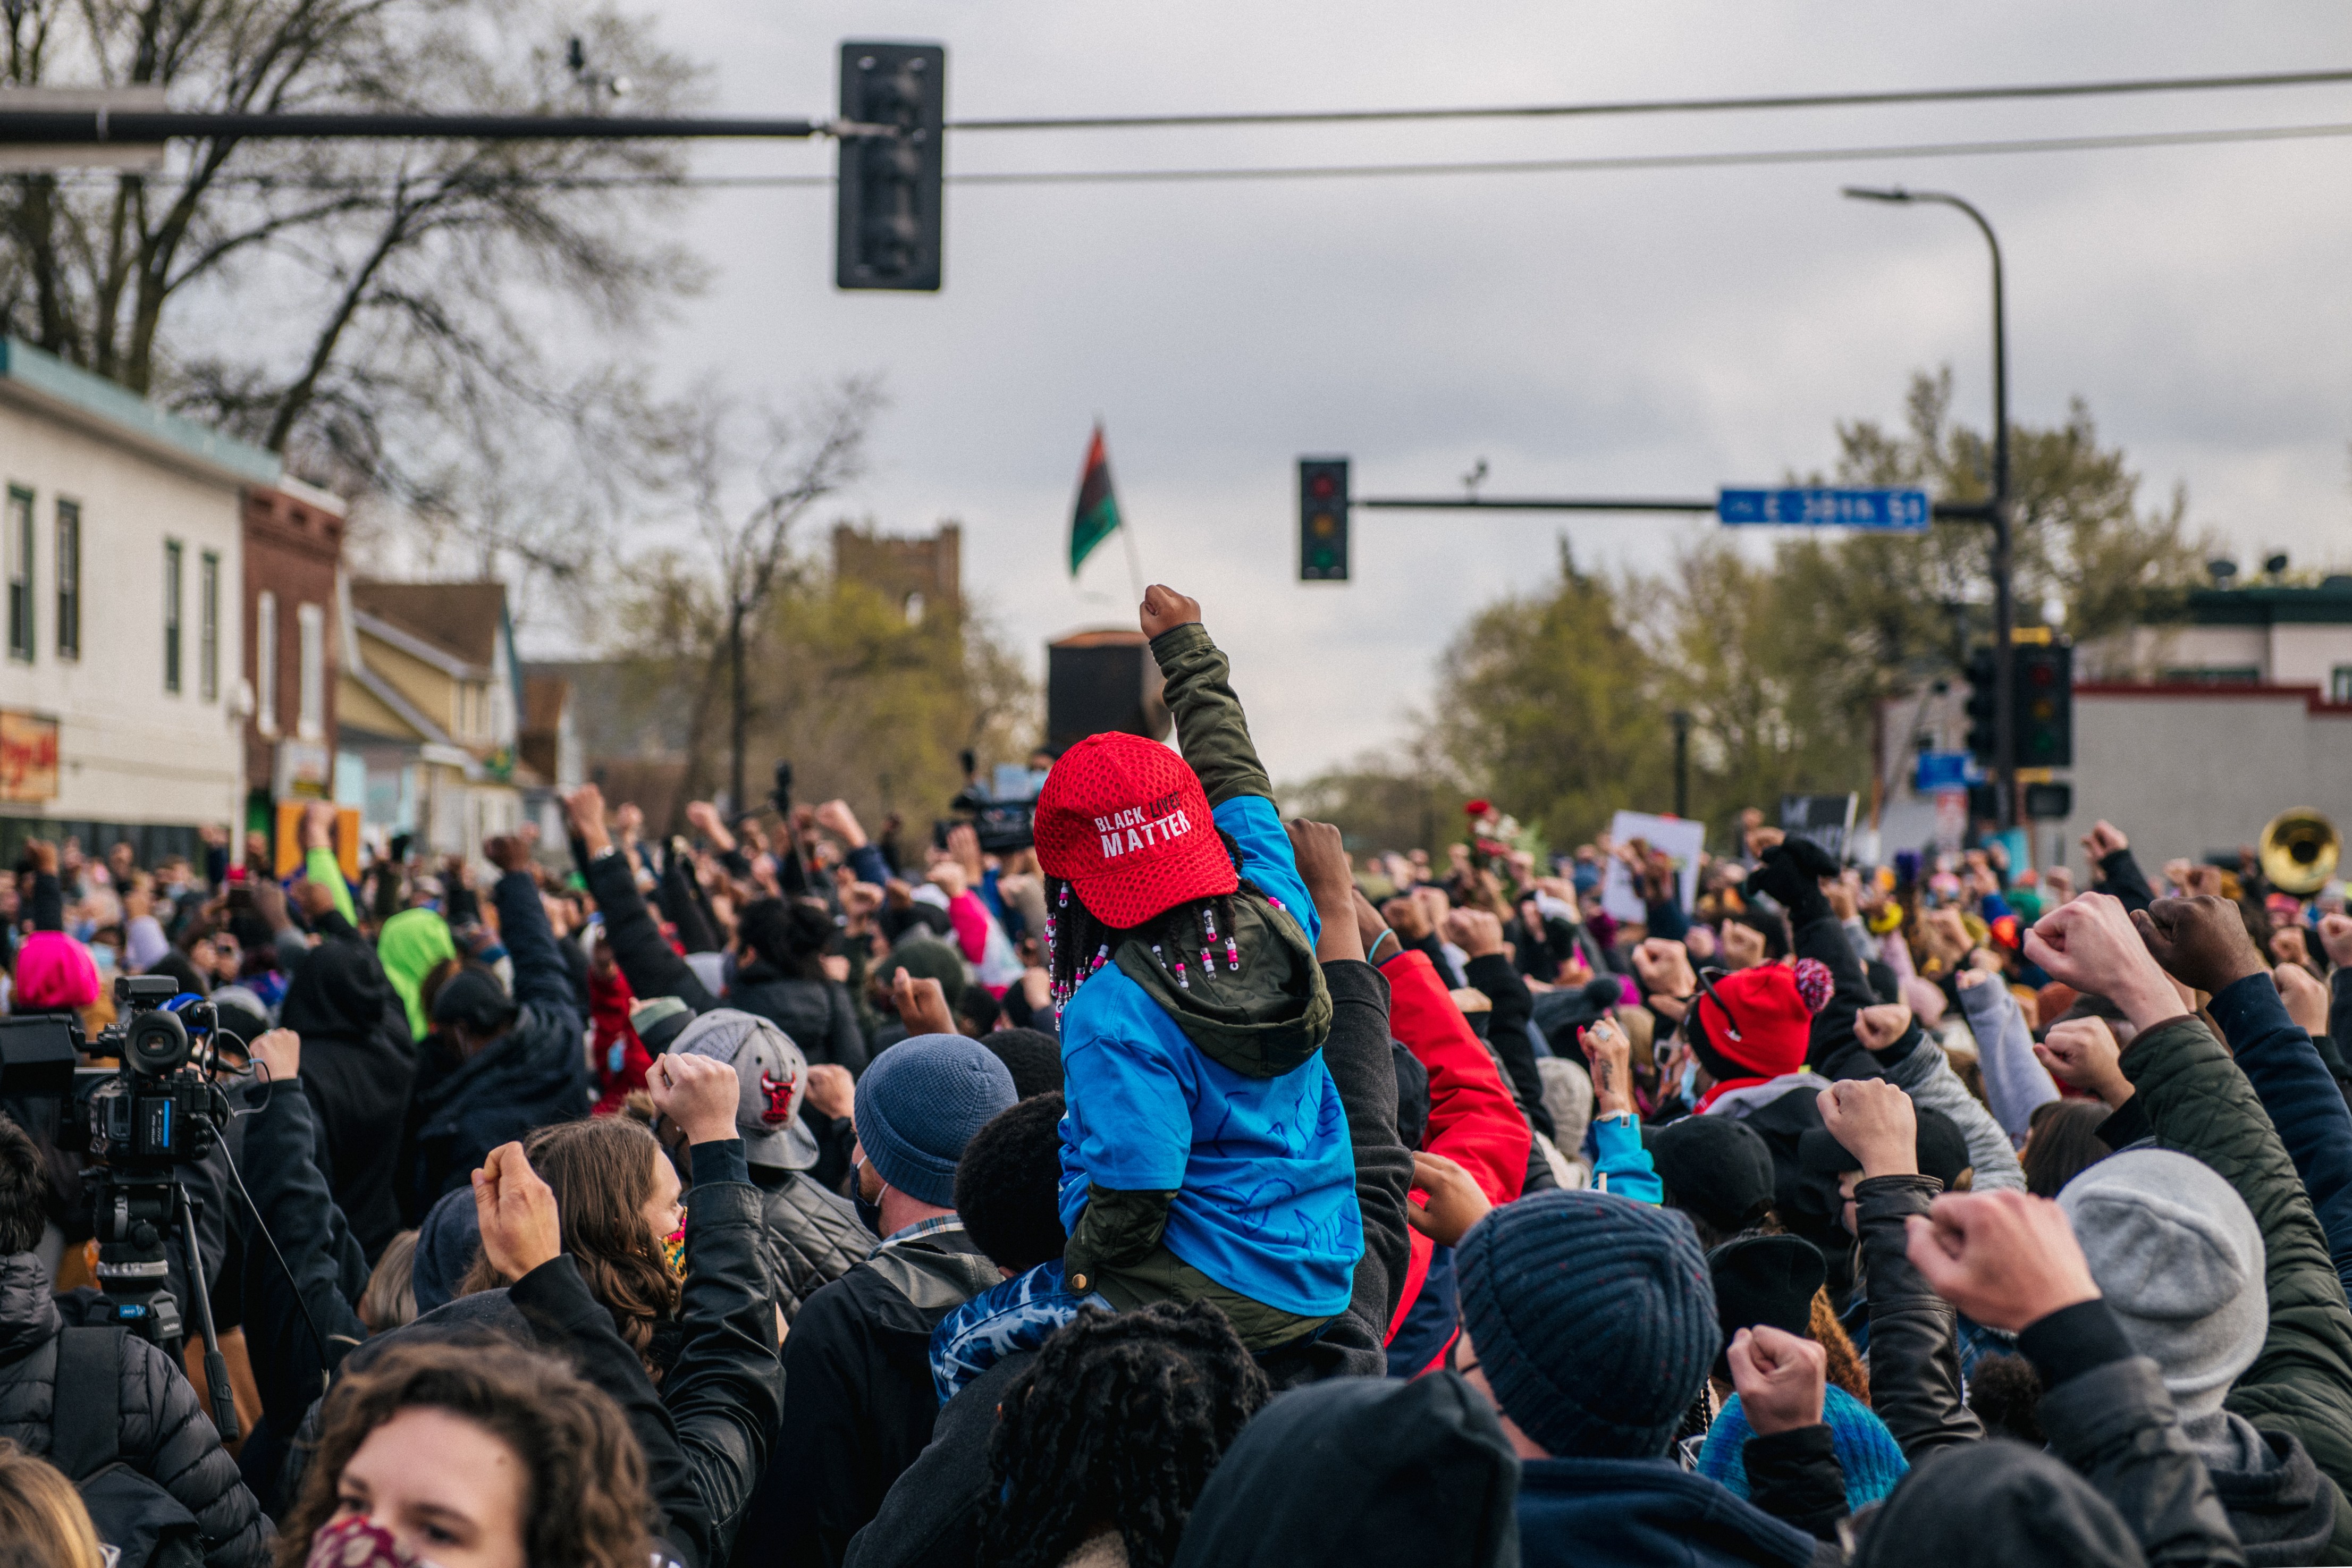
x=1630 y=161
x=1665 y=105
x=1245 y=173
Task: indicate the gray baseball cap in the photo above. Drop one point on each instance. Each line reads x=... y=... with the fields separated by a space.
x=772 y=1079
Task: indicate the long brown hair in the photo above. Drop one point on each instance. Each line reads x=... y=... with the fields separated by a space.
x=585 y=1500
x=40 y=1511
x=603 y=1173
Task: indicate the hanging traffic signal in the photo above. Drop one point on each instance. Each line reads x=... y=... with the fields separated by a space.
x=2043 y=676
x=887 y=226
x=1322 y=520
x=1982 y=738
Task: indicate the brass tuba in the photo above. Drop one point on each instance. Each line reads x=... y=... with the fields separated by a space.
x=2298 y=850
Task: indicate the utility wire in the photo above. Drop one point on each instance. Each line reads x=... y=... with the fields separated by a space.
x=1665 y=105
x=1338 y=171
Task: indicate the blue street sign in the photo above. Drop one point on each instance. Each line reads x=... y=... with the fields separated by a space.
x=1944 y=770
x=1902 y=511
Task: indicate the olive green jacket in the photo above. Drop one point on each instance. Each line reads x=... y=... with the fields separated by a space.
x=2198 y=1102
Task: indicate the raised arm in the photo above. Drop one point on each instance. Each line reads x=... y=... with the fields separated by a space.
x=1200 y=695
x=2015 y=1080
x=542 y=978
x=652 y=969
x=2203 y=943
x=1791 y=874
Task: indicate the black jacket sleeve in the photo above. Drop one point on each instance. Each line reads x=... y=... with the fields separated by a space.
x=1915 y=1350
x=1357 y=1056
x=652 y=969
x=167 y=1435
x=2120 y=876
x=726 y=1391
x=296 y=1207
x=1791 y=874
x=1795 y=1475
x=542 y=978
x=48 y=909
x=1506 y=1031
x=565 y=1318
x=1354 y=1342
x=2105 y=1412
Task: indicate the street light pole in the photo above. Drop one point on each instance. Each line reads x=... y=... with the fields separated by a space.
x=1996 y=513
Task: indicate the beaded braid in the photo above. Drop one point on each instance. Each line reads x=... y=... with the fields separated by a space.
x=1195 y=937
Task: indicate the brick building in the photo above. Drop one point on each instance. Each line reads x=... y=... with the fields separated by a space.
x=293 y=550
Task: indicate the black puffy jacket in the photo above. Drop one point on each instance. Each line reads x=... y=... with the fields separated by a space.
x=809 y=1237
x=164 y=1434
x=815 y=1014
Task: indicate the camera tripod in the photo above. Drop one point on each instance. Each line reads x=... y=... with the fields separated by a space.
x=132 y=1211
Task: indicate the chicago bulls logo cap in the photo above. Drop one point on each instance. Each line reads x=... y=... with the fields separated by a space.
x=771 y=1079
x=1124 y=821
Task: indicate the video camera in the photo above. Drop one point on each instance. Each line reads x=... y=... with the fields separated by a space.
x=145 y=1120
x=1004 y=815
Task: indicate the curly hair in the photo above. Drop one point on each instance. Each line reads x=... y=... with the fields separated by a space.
x=585 y=1501
x=1115 y=1426
x=602 y=1170
x=1008 y=1185
x=1846 y=1367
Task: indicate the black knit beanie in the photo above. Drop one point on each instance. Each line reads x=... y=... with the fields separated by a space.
x=1593 y=1319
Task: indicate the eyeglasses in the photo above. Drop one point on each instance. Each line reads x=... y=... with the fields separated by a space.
x=1706 y=986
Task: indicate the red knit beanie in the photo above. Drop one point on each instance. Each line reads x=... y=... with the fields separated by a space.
x=1771 y=1012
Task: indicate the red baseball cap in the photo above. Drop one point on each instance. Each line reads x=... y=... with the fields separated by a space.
x=1126 y=822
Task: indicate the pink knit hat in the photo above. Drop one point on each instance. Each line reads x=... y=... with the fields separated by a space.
x=54 y=972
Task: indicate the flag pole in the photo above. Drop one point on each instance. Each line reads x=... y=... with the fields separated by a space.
x=1134 y=561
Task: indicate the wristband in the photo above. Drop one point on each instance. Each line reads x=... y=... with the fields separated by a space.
x=1373 y=954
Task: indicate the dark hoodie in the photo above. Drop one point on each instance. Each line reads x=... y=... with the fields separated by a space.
x=534 y=1073
x=357 y=1068
x=1362 y=1470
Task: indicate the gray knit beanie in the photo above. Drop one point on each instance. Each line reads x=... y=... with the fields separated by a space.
x=1593 y=1319
x=919 y=1103
x=2179 y=1259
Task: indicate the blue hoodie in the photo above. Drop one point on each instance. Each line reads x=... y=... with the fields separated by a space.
x=1264 y=1175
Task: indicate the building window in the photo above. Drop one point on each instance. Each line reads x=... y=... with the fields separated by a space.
x=265 y=662
x=208 y=626
x=311 y=621
x=2339 y=683
x=173 y=555
x=20 y=573
x=68 y=579
x=2214 y=675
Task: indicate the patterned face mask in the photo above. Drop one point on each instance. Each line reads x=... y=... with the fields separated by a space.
x=359 y=1542
x=674 y=1252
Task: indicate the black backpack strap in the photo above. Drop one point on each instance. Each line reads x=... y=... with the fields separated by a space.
x=85 y=1415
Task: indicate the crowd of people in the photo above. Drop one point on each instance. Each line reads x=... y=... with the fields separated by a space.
x=1178 y=1190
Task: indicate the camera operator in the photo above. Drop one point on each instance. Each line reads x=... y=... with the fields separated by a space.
x=161 y=1430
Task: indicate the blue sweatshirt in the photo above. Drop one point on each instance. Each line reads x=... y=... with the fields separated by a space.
x=1264 y=1175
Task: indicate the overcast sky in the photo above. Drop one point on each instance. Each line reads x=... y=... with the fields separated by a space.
x=1658 y=331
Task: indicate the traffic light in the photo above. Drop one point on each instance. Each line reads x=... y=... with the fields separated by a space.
x=887 y=197
x=2044 y=678
x=1983 y=737
x=1322 y=520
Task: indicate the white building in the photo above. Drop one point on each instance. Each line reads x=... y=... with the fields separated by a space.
x=123 y=576
x=2188 y=736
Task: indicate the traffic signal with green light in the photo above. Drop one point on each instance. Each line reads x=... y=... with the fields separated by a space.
x=1322 y=520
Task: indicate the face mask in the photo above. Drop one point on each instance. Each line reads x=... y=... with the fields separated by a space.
x=359 y=1542
x=674 y=1252
x=1690 y=1082
x=868 y=1214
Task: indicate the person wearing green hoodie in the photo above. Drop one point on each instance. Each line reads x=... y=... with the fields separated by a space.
x=1204 y=1154
x=411 y=945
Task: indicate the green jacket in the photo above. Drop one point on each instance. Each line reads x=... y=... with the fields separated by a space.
x=2200 y=1103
